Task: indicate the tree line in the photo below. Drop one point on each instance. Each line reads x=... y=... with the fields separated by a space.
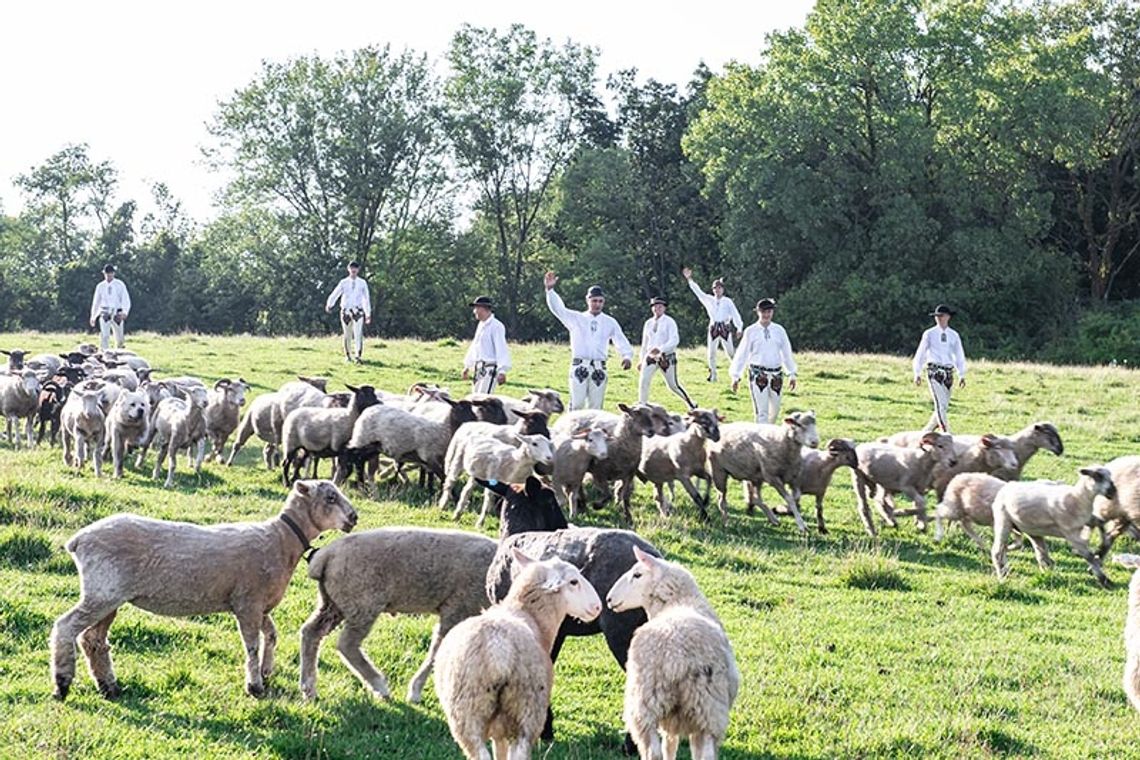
x=885 y=156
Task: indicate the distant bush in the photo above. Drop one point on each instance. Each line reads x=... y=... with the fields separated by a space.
x=1106 y=335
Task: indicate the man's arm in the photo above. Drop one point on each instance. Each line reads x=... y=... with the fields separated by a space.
x=960 y=360
x=95 y=304
x=789 y=360
x=502 y=353
x=367 y=303
x=919 y=355
x=622 y=343
x=126 y=300
x=558 y=309
x=333 y=296
x=737 y=322
x=705 y=299
x=736 y=369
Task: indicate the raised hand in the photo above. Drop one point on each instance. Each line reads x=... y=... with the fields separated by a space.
x=688 y=273
x=550 y=280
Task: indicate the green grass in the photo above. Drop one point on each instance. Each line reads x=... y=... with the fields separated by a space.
x=848 y=647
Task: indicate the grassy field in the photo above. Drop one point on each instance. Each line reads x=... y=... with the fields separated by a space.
x=848 y=647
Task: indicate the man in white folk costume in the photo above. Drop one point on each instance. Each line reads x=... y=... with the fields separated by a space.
x=766 y=352
x=659 y=341
x=110 y=306
x=939 y=354
x=591 y=332
x=355 y=311
x=488 y=359
x=724 y=318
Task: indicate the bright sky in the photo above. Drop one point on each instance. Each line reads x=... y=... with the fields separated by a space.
x=138 y=81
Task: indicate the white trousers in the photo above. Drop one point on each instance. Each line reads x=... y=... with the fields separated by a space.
x=649 y=369
x=766 y=400
x=940 y=394
x=106 y=327
x=714 y=344
x=485 y=378
x=353 y=336
x=588 y=381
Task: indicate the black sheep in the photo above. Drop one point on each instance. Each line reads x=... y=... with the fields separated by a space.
x=527 y=508
x=602 y=555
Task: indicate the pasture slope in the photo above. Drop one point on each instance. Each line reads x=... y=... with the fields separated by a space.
x=847 y=647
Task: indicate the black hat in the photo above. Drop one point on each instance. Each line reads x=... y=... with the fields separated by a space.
x=354 y=265
x=484 y=301
x=765 y=303
x=595 y=291
x=109 y=268
x=942 y=309
x=658 y=300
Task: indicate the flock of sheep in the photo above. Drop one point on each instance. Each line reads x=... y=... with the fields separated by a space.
x=545 y=579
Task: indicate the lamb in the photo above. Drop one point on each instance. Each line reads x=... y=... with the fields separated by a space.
x=84 y=425
x=126 y=424
x=757 y=454
x=1114 y=516
x=177 y=425
x=1047 y=508
x=573 y=455
x=988 y=453
x=679 y=457
x=1132 y=632
x=15 y=360
x=544 y=400
x=53 y=395
x=681 y=675
x=416 y=571
x=899 y=469
x=969 y=499
x=625 y=432
x=529 y=507
x=494 y=672
x=816 y=470
x=1025 y=443
x=603 y=555
x=321 y=431
x=258 y=419
x=19 y=400
x=490 y=459
x=178 y=569
x=304 y=391
x=223 y=407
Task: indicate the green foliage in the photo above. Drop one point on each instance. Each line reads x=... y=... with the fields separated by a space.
x=1109 y=335
x=872 y=571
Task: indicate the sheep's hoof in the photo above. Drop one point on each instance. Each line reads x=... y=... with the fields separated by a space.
x=110 y=689
x=1104 y=582
x=255 y=689
x=62 y=687
x=822 y=530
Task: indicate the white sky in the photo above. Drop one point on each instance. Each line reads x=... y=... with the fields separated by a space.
x=138 y=81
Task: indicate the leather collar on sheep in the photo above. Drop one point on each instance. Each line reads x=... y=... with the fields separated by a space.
x=308 y=550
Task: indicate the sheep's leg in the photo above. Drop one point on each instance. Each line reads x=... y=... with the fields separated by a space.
x=752 y=493
x=625 y=493
x=968 y=528
x=66 y=449
x=1041 y=552
x=464 y=497
x=268 y=646
x=1080 y=546
x=520 y=749
x=172 y=452
x=500 y=748
x=348 y=645
x=782 y=490
x=489 y=500
x=694 y=494
x=671 y=743
x=64 y=632
x=201 y=456
x=647 y=737
x=1002 y=527
x=1108 y=538
x=664 y=506
x=118 y=447
x=98 y=653
x=80 y=451
x=720 y=481
x=416 y=687
x=860 y=486
x=159 y=458
x=29 y=425
x=819 y=516
x=97 y=457
x=702 y=747
x=249 y=625
x=320 y=624
x=919 y=500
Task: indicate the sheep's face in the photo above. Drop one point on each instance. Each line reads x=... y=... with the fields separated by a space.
x=490 y=409
x=597 y=443
x=1045 y=436
x=1102 y=481
x=91 y=403
x=706 y=422
x=533 y=422
x=15 y=359
x=30 y=382
x=843 y=450
x=328 y=508
x=558 y=577
x=633 y=589
x=538 y=448
x=236 y=391
x=998 y=453
x=803 y=428
x=941 y=445
x=198 y=396
x=546 y=400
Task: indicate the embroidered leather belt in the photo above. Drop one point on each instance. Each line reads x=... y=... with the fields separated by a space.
x=720 y=330
x=941 y=373
x=485 y=368
x=765 y=377
x=351 y=315
x=106 y=315
x=664 y=361
x=582 y=371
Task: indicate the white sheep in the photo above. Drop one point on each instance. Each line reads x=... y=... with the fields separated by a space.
x=1046 y=508
x=223 y=408
x=416 y=571
x=258 y=419
x=19 y=400
x=816 y=470
x=126 y=425
x=681 y=675
x=969 y=500
x=493 y=672
x=1114 y=516
x=1132 y=631
x=178 y=569
x=321 y=432
x=493 y=460
x=84 y=426
x=177 y=425
x=681 y=456
x=304 y=391
x=899 y=469
x=573 y=454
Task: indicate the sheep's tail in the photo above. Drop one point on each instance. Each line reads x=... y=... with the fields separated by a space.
x=1128 y=560
x=72 y=544
x=317 y=565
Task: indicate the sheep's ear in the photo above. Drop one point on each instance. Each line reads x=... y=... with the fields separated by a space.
x=644 y=558
x=791 y=421
x=988 y=440
x=719 y=417
x=520 y=558
x=302 y=488
x=625 y=408
x=223 y=383
x=351 y=388
x=1091 y=472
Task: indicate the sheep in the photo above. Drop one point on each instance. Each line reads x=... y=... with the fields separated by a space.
x=899 y=469
x=321 y=431
x=816 y=470
x=304 y=391
x=15 y=360
x=1047 y=508
x=125 y=378
x=19 y=400
x=969 y=499
x=417 y=571
x=1132 y=631
x=84 y=426
x=1114 y=516
x=528 y=507
x=53 y=395
x=528 y=422
x=573 y=455
x=258 y=419
x=757 y=453
x=679 y=457
x=603 y=555
x=987 y=453
x=223 y=406
x=45 y=365
x=126 y=424
x=625 y=432
x=177 y=425
x=681 y=677
x=179 y=569
x=494 y=672
x=1025 y=443
x=544 y=400
x=490 y=459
